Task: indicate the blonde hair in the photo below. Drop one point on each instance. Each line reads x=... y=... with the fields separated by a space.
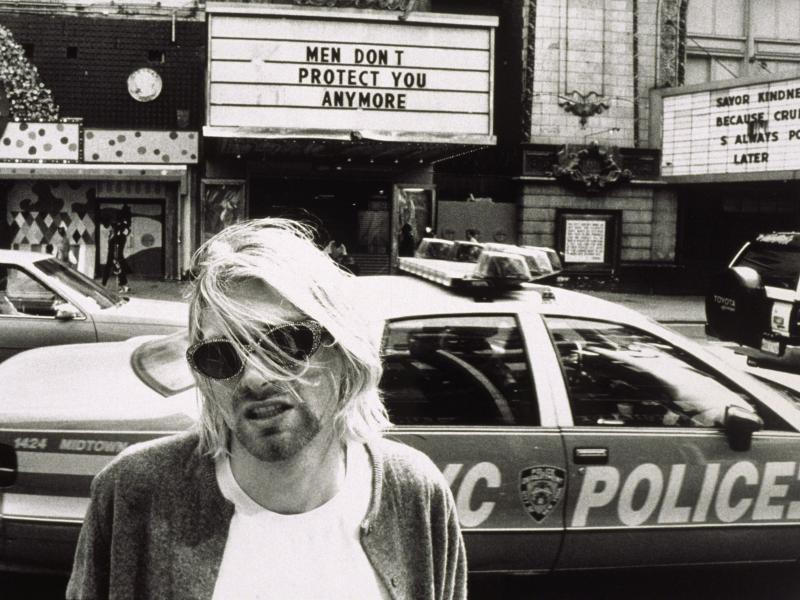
x=281 y=254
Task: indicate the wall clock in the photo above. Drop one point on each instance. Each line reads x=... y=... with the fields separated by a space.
x=144 y=84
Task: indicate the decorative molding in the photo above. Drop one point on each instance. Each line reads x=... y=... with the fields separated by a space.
x=635 y=40
x=592 y=169
x=528 y=71
x=684 y=6
x=5 y=109
x=583 y=105
x=672 y=46
x=404 y=5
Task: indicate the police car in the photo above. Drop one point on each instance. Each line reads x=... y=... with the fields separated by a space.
x=756 y=301
x=574 y=433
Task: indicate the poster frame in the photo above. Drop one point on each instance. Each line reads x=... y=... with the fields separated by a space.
x=206 y=186
x=613 y=220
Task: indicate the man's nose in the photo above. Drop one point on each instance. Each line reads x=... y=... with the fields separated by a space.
x=253 y=381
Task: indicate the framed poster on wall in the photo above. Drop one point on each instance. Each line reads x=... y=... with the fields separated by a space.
x=223 y=202
x=588 y=240
x=413 y=213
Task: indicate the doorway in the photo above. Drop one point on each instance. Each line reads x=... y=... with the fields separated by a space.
x=356 y=213
x=144 y=248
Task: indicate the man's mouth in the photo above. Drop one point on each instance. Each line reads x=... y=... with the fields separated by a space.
x=267 y=410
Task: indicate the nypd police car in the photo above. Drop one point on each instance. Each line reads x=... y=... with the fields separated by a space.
x=574 y=433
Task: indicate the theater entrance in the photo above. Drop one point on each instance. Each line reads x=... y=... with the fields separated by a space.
x=356 y=213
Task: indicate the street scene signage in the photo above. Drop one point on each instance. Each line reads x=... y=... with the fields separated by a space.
x=745 y=129
x=426 y=76
x=585 y=241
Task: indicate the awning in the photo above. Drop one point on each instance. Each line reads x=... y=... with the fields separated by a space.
x=333 y=147
x=90 y=171
x=82 y=171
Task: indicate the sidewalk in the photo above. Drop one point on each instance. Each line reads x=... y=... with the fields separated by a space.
x=661 y=307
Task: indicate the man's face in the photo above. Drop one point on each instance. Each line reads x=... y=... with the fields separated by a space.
x=266 y=419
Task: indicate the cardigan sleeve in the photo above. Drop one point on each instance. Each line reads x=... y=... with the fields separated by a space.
x=454 y=573
x=91 y=568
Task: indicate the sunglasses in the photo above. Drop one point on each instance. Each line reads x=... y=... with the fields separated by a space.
x=219 y=358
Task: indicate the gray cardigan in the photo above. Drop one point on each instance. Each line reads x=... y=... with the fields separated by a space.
x=157 y=526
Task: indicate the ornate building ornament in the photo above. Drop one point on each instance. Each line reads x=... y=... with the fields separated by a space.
x=583 y=105
x=404 y=5
x=592 y=169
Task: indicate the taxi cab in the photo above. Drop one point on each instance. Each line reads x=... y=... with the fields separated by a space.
x=574 y=433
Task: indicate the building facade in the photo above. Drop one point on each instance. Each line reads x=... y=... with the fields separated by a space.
x=128 y=83
x=337 y=115
x=740 y=92
x=530 y=121
x=590 y=184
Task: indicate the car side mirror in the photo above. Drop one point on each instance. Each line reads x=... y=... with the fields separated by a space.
x=740 y=423
x=66 y=312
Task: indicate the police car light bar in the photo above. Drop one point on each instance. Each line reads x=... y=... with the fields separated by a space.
x=441 y=272
x=495 y=271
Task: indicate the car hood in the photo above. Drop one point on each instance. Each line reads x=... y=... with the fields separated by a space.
x=87 y=386
x=154 y=312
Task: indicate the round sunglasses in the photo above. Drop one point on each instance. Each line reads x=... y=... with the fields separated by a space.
x=219 y=358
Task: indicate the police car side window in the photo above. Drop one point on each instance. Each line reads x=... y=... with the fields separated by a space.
x=457 y=370
x=618 y=375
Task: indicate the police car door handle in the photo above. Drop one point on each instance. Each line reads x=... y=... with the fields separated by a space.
x=590 y=456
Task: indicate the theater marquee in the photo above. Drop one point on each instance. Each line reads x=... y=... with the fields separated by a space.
x=315 y=71
x=742 y=132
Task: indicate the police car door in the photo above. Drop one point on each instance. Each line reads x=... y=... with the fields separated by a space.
x=461 y=388
x=652 y=477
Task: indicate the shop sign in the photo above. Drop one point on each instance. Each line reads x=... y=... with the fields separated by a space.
x=736 y=130
x=140 y=146
x=283 y=69
x=51 y=142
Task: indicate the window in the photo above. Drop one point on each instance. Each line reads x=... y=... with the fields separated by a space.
x=777 y=264
x=457 y=370
x=726 y=39
x=618 y=375
x=21 y=294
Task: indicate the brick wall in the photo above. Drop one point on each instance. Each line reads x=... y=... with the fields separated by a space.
x=618 y=48
x=649 y=218
x=580 y=46
x=86 y=61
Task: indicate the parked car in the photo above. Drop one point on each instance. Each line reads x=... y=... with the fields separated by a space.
x=44 y=301
x=755 y=302
x=575 y=433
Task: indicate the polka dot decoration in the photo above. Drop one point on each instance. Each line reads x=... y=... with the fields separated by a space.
x=41 y=142
x=134 y=146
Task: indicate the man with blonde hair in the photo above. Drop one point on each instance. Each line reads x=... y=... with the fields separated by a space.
x=285 y=489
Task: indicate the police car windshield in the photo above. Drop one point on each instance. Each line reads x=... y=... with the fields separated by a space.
x=78 y=282
x=161 y=364
x=777 y=264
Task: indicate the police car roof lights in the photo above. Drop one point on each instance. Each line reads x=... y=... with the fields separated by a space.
x=494 y=273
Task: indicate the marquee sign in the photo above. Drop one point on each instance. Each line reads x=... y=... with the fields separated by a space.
x=747 y=129
x=314 y=70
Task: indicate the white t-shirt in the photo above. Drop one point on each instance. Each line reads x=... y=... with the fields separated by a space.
x=315 y=555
